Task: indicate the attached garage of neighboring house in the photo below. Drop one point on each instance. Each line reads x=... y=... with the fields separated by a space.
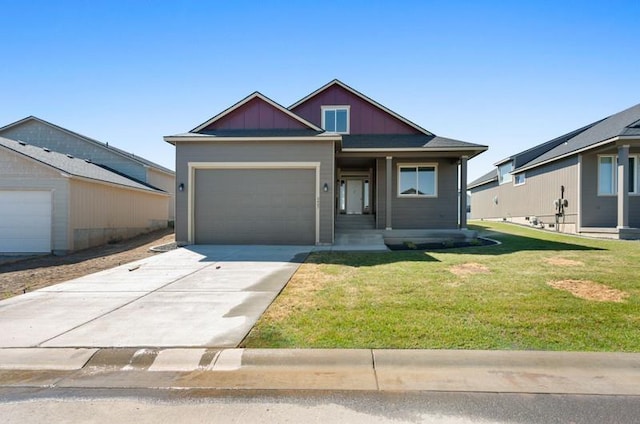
x=25 y=221
x=243 y=204
x=51 y=202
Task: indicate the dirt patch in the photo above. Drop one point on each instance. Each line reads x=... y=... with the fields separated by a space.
x=43 y=271
x=590 y=290
x=563 y=262
x=469 y=269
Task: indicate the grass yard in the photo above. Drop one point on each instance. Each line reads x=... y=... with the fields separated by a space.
x=537 y=290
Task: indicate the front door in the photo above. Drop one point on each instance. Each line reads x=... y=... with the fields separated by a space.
x=354 y=197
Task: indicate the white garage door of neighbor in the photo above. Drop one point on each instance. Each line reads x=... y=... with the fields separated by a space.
x=25 y=221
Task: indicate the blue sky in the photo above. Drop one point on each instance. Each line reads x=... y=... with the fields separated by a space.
x=509 y=74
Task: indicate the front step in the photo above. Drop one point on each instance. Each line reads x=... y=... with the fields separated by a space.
x=355 y=222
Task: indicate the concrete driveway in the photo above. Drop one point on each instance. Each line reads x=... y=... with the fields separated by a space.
x=200 y=296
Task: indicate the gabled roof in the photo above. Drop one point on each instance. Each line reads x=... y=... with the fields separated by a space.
x=620 y=124
x=73 y=166
x=256 y=95
x=363 y=97
x=90 y=140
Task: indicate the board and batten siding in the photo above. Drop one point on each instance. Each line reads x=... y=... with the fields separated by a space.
x=100 y=213
x=602 y=211
x=439 y=212
x=257 y=151
x=533 y=198
x=165 y=182
x=20 y=173
x=42 y=135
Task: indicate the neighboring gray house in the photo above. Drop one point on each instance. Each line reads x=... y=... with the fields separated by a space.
x=52 y=202
x=585 y=182
x=260 y=173
x=38 y=132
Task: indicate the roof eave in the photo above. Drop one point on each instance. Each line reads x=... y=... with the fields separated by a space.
x=255 y=94
x=174 y=139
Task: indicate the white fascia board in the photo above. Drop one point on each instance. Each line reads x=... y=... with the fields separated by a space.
x=415 y=149
x=246 y=100
x=173 y=139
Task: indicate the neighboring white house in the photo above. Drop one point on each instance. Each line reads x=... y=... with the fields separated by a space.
x=38 y=132
x=60 y=191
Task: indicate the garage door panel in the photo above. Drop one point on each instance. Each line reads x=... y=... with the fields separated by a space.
x=25 y=221
x=255 y=206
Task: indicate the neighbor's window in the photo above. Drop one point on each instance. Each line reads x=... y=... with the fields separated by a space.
x=417 y=180
x=608 y=175
x=519 y=179
x=504 y=170
x=335 y=119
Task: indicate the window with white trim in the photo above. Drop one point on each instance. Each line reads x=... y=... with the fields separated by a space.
x=608 y=175
x=335 y=119
x=504 y=172
x=519 y=179
x=418 y=180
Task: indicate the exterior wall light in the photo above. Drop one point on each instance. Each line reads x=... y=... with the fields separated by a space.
x=181 y=187
x=325 y=187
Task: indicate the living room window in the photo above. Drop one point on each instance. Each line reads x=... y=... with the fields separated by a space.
x=335 y=119
x=608 y=175
x=417 y=180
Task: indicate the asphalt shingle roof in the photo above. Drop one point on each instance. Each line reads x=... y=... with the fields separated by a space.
x=400 y=141
x=72 y=165
x=622 y=123
x=486 y=178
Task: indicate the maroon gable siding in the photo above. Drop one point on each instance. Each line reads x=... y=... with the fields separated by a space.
x=256 y=114
x=365 y=117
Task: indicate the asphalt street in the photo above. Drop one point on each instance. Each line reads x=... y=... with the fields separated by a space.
x=152 y=406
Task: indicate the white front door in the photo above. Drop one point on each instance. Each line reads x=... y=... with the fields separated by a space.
x=354 y=197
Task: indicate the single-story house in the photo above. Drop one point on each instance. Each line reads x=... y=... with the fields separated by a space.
x=38 y=132
x=261 y=173
x=585 y=182
x=54 y=202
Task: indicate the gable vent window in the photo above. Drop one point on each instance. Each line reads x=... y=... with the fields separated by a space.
x=335 y=119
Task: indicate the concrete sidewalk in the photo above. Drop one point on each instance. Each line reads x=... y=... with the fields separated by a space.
x=315 y=369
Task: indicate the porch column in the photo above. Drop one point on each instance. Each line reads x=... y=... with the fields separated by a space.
x=463 y=192
x=623 y=186
x=389 y=192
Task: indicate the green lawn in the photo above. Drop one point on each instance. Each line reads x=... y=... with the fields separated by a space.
x=485 y=297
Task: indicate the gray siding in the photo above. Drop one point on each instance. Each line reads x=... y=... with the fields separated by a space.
x=419 y=213
x=602 y=211
x=534 y=198
x=39 y=134
x=257 y=151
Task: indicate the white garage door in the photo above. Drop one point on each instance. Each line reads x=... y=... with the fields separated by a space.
x=255 y=206
x=25 y=221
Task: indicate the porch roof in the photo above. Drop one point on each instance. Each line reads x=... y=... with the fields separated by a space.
x=420 y=142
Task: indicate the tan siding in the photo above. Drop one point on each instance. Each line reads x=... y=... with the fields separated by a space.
x=534 y=198
x=19 y=173
x=167 y=183
x=101 y=213
x=257 y=151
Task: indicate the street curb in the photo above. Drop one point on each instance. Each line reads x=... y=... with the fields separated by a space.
x=326 y=369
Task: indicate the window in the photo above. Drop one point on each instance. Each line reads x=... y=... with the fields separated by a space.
x=417 y=180
x=608 y=175
x=504 y=170
x=519 y=179
x=335 y=119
